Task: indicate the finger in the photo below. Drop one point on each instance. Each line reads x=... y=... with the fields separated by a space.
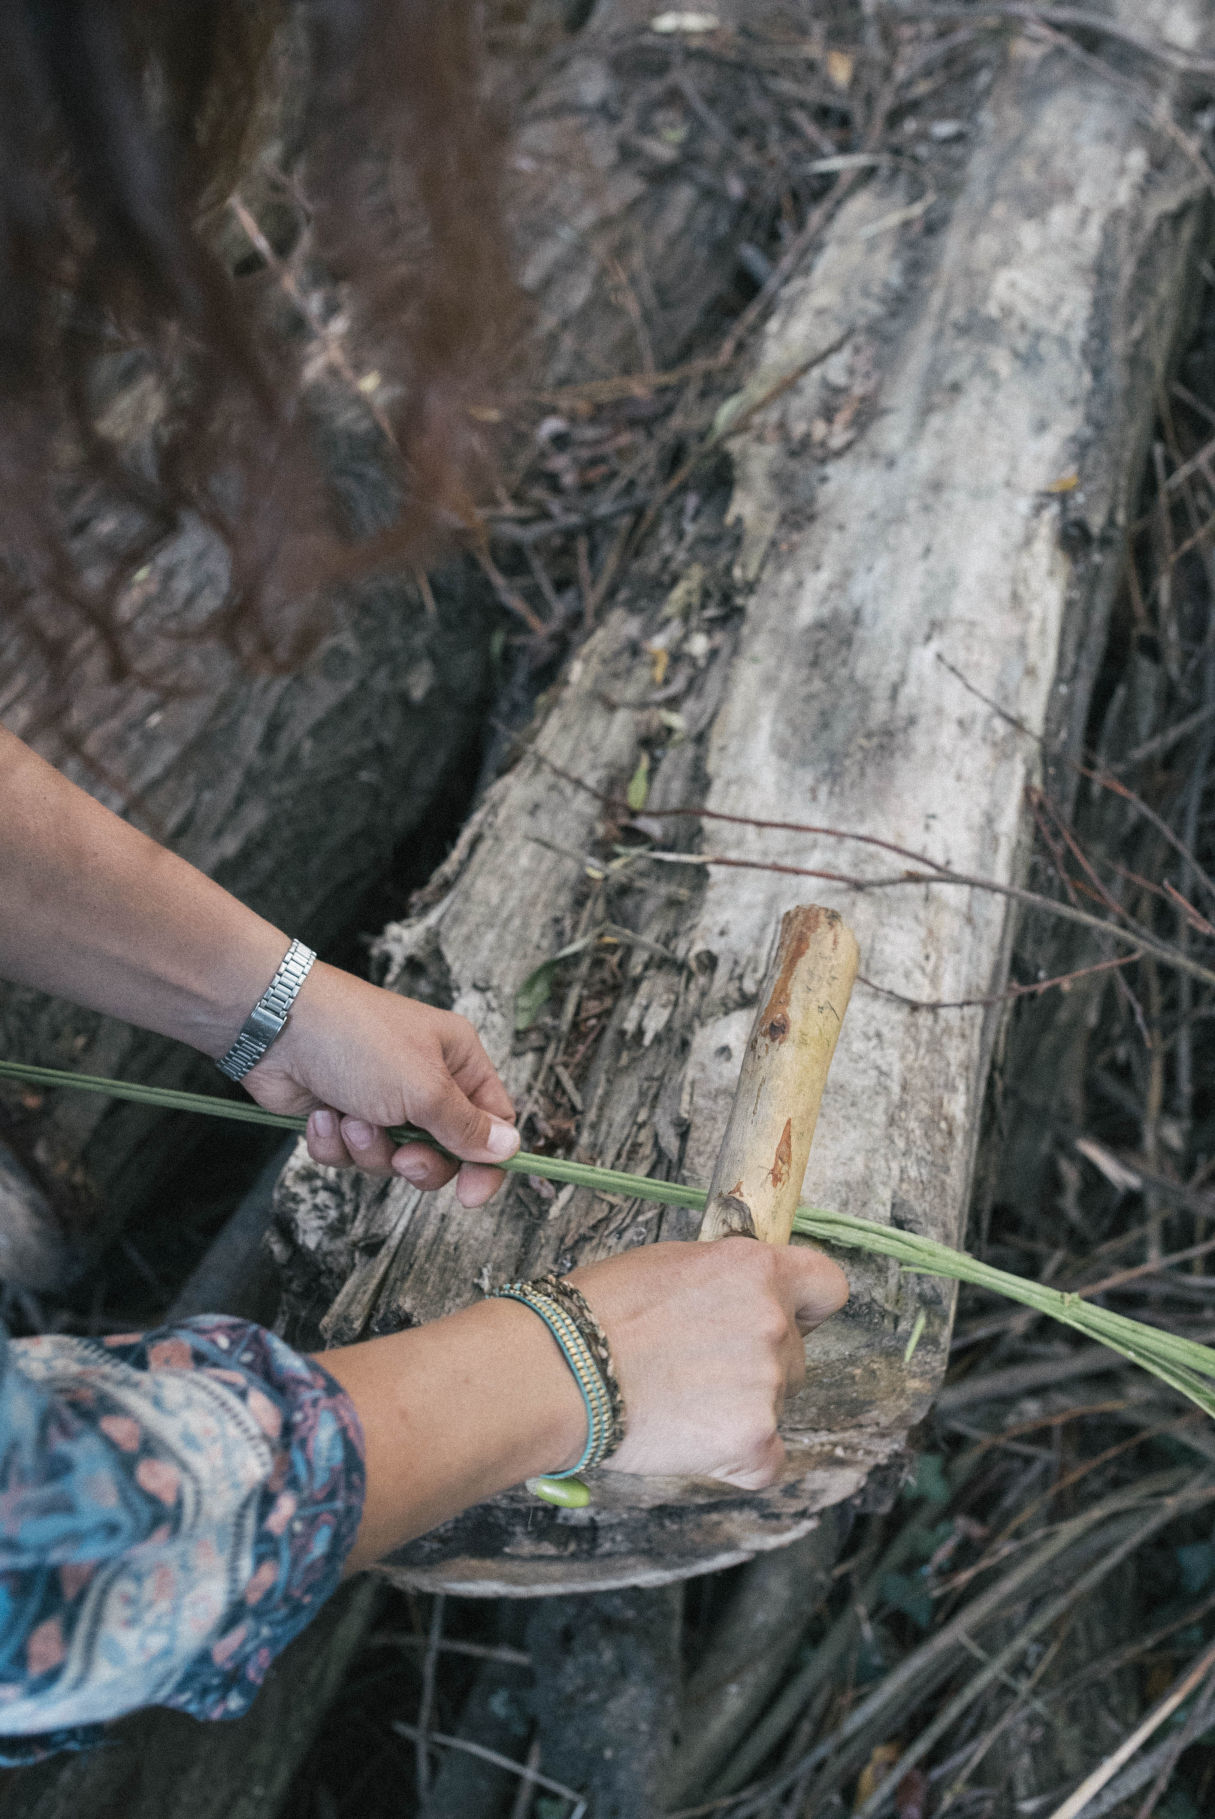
x=794 y=1359
x=492 y=1097
x=761 y=1470
x=370 y=1147
x=423 y=1166
x=475 y=1135
x=474 y=1073
x=324 y=1139
x=477 y=1184
x=816 y=1287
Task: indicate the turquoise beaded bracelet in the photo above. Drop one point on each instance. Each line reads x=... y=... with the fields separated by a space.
x=589 y=1361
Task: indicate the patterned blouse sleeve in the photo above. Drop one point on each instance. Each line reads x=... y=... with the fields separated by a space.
x=174 y=1508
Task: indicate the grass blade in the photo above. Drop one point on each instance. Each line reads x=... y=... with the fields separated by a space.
x=1182 y=1363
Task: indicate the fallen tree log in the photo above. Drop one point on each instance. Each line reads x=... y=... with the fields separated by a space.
x=296 y=792
x=935 y=457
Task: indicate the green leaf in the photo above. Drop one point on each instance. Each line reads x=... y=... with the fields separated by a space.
x=909 y=1595
x=639 y=784
x=1184 y=1364
x=728 y=413
x=930 y=1484
x=533 y=995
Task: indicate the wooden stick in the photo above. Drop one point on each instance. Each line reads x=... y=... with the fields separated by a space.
x=764 y=1152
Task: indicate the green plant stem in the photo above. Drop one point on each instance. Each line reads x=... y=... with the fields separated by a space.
x=1184 y=1364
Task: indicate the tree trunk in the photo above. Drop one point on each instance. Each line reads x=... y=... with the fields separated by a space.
x=897 y=614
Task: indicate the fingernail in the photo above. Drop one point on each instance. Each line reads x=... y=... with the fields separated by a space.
x=503 y=1139
x=413 y=1170
x=325 y=1126
x=358 y=1135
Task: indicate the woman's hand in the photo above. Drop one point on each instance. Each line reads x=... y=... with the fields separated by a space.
x=93 y=910
x=359 y=1059
x=707 y=1343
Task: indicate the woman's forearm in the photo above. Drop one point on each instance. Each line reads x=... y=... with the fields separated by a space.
x=453 y=1412
x=706 y=1340
x=94 y=911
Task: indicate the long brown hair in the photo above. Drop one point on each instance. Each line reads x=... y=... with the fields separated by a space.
x=130 y=272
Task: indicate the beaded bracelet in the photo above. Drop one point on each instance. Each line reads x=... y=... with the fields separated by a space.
x=575 y=1303
x=584 y=1347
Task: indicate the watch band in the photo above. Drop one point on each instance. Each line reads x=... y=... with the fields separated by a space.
x=265 y=1021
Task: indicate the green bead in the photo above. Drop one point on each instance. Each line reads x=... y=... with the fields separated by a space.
x=566 y=1493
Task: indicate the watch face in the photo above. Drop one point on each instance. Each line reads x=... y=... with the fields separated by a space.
x=265 y=1021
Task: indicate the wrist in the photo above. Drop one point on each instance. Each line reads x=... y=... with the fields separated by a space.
x=453 y=1412
x=268 y=1018
x=554 y=1433
x=217 y=1009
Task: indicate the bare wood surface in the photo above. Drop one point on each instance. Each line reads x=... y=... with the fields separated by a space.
x=762 y=1160
x=893 y=529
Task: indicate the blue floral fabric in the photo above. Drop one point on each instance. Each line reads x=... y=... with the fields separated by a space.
x=174 y=1507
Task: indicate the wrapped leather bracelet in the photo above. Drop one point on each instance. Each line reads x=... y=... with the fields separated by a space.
x=584 y=1346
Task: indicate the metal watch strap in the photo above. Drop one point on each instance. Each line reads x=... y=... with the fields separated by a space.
x=266 y=1019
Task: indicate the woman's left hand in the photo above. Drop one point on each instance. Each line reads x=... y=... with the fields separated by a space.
x=359 y=1059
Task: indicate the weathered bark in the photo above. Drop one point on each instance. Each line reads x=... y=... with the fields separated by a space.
x=902 y=562
x=296 y=792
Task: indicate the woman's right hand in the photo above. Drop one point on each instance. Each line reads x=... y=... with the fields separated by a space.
x=707 y=1343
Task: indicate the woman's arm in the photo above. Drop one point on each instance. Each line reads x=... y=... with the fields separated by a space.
x=707 y=1342
x=176 y=1505
x=95 y=911
x=706 y=1338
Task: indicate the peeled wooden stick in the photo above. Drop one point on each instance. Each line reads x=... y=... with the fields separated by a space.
x=764 y=1152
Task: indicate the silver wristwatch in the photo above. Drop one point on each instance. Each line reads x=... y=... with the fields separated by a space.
x=265 y=1021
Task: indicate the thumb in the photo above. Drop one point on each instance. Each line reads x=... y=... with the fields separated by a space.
x=816 y=1287
x=446 y=1111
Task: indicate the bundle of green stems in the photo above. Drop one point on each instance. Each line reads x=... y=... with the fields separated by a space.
x=1183 y=1363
